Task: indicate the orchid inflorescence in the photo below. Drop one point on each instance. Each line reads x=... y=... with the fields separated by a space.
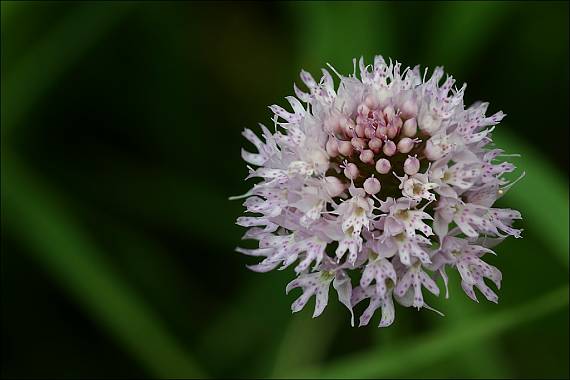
x=378 y=187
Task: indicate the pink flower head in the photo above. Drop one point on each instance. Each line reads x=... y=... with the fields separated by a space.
x=376 y=186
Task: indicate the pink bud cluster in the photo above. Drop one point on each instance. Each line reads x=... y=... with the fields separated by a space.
x=388 y=177
x=375 y=134
x=377 y=130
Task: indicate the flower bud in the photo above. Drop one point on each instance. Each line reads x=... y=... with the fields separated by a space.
x=397 y=122
x=371 y=102
x=345 y=148
x=433 y=151
x=372 y=186
x=351 y=171
x=389 y=148
x=392 y=131
x=383 y=166
x=410 y=128
x=358 y=143
x=389 y=112
x=405 y=145
x=411 y=165
x=367 y=156
x=332 y=146
x=334 y=186
x=369 y=132
x=409 y=109
x=381 y=132
x=347 y=126
x=375 y=144
x=359 y=129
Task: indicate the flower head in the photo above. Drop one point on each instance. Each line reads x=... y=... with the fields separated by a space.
x=377 y=186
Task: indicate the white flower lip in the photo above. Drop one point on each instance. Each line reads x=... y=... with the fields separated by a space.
x=386 y=176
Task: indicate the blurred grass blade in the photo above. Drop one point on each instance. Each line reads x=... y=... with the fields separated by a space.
x=400 y=360
x=26 y=81
x=40 y=220
x=542 y=195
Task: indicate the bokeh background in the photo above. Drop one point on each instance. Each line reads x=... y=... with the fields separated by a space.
x=121 y=144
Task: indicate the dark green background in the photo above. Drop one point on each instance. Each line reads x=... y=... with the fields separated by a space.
x=120 y=146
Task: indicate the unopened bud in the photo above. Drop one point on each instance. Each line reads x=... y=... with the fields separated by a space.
x=392 y=131
x=432 y=151
x=369 y=132
x=409 y=109
x=383 y=166
x=371 y=102
x=351 y=171
x=389 y=112
x=397 y=122
x=347 y=126
x=381 y=132
x=359 y=129
x=411 y=165
x=389 y=148
x=367 y=156
x=375 y=144
x=334 y=186
x=372 y=186
x=358 y=143
x=405 y=145
x=410 y=128
x=332 y=146
x=345 y=148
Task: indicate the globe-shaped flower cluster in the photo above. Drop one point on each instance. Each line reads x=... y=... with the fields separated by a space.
x=377 y=187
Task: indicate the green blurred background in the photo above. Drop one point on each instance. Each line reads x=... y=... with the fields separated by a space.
x=120 y=135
